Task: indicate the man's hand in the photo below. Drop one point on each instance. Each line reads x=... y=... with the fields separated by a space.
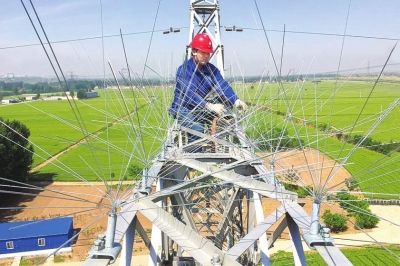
x=240 y=105
x=216 y=108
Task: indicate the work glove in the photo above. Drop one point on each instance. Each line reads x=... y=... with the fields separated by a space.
x=216 y=108
x=240 y=105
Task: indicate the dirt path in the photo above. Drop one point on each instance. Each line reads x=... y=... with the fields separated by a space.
x=59 y=154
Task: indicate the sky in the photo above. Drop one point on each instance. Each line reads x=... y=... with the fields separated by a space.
x=246 y=53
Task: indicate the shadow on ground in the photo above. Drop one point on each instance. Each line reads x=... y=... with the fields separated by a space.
x=14 y=195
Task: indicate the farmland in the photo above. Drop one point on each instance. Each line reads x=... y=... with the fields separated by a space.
x=54 y=126
x=109 y=146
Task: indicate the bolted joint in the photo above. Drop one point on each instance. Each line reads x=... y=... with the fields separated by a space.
x=325 y=232
x=216 y=260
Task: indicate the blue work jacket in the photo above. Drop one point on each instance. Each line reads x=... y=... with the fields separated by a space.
x=193 y=85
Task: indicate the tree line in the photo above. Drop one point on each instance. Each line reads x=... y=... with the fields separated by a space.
x=8 y=88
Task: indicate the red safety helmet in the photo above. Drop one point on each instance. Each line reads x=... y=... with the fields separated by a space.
x=202 y=42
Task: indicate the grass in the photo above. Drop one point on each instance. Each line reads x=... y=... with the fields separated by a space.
x=54 y=126
x=340 y=108
x=31 y=261
x=374 y=171
x=108 y=153
x=358 y=256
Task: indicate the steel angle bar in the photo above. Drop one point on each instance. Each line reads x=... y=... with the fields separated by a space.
x=156 y=248
x=244 y=141
x=263 y=240
x=237 y=250
x=297 y=246
x=127 y=245
x=332 y=255
x=282 y=224
x=245 y=182
x=152 y=175
x=207 y=137
x=124 y=218
x=230 y=206
x=166 y=192
x=199 y=247
x=299 y=216
x=206 y=155
x=186 y=213
x=143 y=234
x=139 y=228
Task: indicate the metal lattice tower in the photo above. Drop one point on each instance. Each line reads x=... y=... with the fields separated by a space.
x=195 y=221
x=204 y=17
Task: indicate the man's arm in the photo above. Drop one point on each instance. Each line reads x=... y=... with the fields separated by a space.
x=223 y=88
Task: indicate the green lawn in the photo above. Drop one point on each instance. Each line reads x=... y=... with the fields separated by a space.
x=365 y=256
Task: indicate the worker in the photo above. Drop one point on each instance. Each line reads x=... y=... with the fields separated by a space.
x=201 y=93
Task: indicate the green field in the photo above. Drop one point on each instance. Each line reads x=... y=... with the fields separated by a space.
x=111 y=145
x=374 y=171
x=320 y=103
x=365 y=256
x=54 y=127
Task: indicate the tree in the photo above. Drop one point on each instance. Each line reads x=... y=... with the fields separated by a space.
x=15 y=150
x=81 y=94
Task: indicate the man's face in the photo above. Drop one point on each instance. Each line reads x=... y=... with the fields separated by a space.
x=201 y=58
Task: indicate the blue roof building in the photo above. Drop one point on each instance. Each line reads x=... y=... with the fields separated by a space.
x=35 y=237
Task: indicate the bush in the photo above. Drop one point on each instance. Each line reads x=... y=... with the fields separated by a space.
x=59 y=258
x=302 y=192
x=359 y=209
x=351 y=183
x=323 y=127
x=335 y=221
x=352 y=203
x=367 y=220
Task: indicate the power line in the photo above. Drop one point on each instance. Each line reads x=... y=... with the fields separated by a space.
x=84 y=39
x=180 y=28
x=329 y=34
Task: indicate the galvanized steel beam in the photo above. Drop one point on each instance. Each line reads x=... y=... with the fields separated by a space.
x=237 y=250
x=199 y=247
